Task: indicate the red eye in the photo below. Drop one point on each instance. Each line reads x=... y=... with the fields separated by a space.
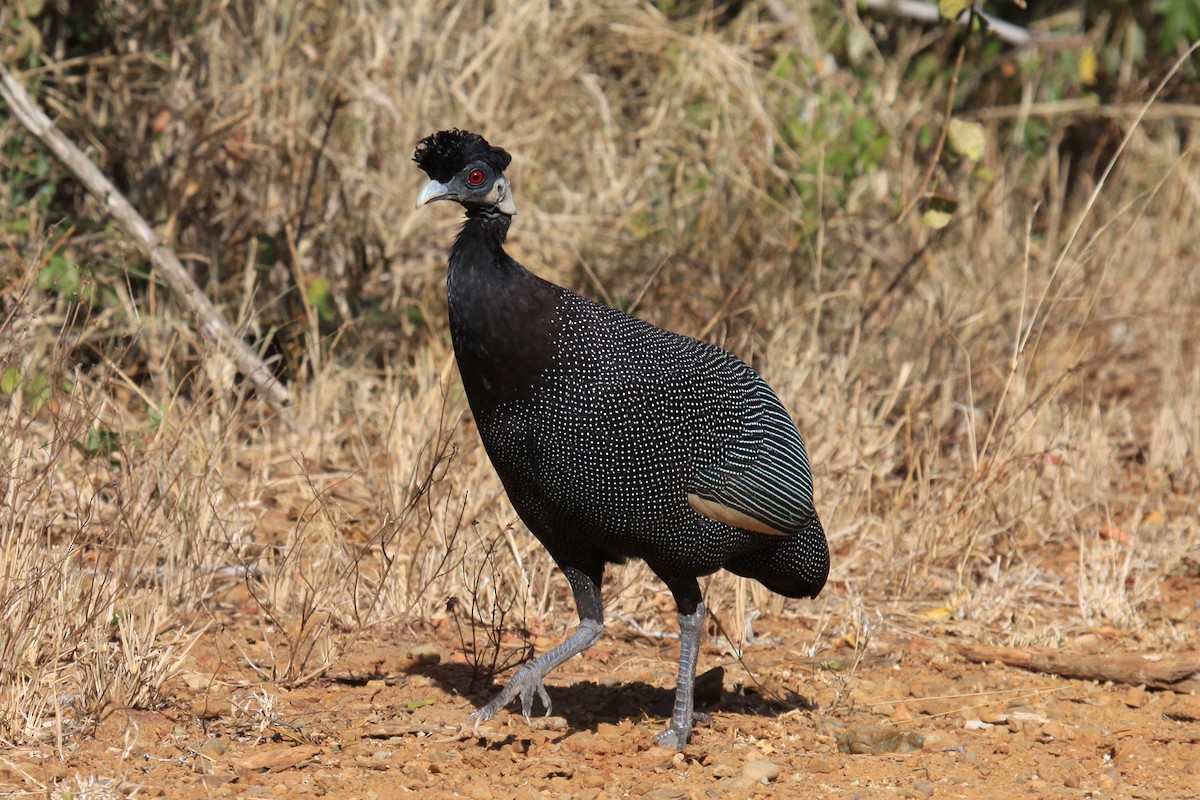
x=476 y=177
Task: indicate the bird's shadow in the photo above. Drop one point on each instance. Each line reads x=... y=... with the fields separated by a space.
x=586 y=705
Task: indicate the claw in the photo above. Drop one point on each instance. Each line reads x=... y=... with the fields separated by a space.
x=528 y=680
x=672 y=737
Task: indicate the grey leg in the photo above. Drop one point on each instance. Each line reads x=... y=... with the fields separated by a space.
x=528 y=679
x=691 y=625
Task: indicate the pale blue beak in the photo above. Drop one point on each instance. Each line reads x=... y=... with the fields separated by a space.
x=434 y=191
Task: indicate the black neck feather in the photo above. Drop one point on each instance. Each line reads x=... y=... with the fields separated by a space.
x=502 y=317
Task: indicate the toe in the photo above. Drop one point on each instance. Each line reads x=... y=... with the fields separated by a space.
x=672 y=738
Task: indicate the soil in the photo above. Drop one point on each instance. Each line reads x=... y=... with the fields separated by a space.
x=389 y=720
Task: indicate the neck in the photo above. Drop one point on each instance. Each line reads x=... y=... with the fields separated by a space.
x=499 y=314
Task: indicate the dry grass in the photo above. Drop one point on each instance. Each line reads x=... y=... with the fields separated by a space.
x=982 y=406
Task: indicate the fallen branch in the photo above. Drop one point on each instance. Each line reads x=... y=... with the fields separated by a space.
x=211 y=324
x=1180 y=673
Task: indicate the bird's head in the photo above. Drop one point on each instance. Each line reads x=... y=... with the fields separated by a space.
x=463 y=167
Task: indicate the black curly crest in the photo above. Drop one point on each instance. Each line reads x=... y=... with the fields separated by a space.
x=443 y=154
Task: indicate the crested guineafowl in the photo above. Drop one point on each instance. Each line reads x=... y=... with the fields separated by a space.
x=616 y=439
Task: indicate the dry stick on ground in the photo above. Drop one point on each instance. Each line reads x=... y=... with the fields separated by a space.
x=210 y=322
x=1180 y=673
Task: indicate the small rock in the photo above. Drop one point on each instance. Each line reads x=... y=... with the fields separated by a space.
x=667 y=793
x=739 y=783
x=1137 y=697
x=821 y=766
x=387 y=730
x=197 y=681
x=217 y=747
x=1056 y=730
x=873 y=740
x=611 y=733
x=1123 y=749
x=1184 y=708
x=924 y=788
x=277 y=758
x=548 y=723
x=425 y=654
x=211 y=705
x=581 y=742
x=1072 y=782
x=760 y=771
x=936 y=741
x=724 y=768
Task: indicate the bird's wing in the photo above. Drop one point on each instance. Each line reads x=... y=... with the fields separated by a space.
x=763 y=483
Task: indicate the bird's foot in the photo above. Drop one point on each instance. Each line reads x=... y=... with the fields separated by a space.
x=673 y=737
x=526 y=683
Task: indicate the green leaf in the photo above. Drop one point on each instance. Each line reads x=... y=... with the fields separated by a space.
x=10 y=380
x=37 y=392
x=60 y=274
x=320 y=299
x=101 y=441
x=967 y=139
x=951 y=10
x=939 y=210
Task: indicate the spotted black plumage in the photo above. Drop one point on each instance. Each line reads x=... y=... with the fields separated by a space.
x=616 y=439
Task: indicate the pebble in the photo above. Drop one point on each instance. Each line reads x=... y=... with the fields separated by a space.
x=215 y=746
x=1137 y=697
x=1122 y=749
x=277 y=758
x=760 y=771
x=668 y=793
x=821 y=766
x=873 y=740
x=548 y=723
x=425 y=654
x=724 y=768
x=1185 y=708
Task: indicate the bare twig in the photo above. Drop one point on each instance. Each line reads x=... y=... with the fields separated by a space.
x=1168 y=672
x=210 y=322
x=948 y=114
